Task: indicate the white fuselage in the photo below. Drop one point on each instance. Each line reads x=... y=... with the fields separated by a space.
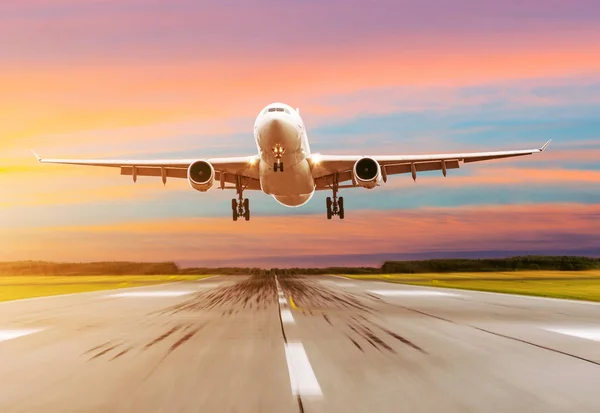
x=281 y=136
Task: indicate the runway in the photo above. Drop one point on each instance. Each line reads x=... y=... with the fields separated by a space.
x=298 y=344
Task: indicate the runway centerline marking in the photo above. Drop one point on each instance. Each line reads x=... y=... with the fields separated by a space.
x=9 y=334
x=302 y=377
x=589 y=333
x=286 y=316
x=151 y=294
x=413 y=293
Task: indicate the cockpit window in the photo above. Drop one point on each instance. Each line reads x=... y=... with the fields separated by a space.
x=278 y=110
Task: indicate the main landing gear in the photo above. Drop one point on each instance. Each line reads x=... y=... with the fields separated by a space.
x=240 y=207
x=278 y=166
x=335 y=206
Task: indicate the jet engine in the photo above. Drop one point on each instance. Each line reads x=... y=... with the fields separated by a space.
x=366 y=172
x=201 y=176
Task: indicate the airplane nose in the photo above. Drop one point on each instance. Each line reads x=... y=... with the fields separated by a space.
x=275 y=130
x=272 y=126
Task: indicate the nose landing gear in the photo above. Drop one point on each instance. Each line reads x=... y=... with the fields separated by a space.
x=335 y=206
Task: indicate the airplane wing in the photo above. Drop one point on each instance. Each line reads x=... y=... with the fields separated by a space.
x=327 y=167
x=227 y=170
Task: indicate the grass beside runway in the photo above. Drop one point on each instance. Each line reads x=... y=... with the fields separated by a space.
x=15 y=287
x=576 y=285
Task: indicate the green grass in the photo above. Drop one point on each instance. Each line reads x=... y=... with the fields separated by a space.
x=577 y=285
x=15 y=287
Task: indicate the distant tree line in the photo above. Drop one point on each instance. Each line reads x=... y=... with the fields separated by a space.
x=283 y=271
x=91 y=268
x=547 y=263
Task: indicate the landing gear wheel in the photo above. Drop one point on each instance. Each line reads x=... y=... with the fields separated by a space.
x=240 y=207
x=281 y=167
x=335 y=206
x=247 y=209
x=275 y=167
x=234 y=209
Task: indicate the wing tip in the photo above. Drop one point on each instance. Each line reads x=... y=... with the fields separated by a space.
x=36 y=155
x=545 y=145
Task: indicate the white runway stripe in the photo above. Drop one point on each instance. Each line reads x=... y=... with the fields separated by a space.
x=282 y=300
x=152 y=294
x=337 y=276
x=471 y=293
x=286 y=316
x=98 y=293
x=207 y=278
x=337 y=284
x=10 y=334
x=413 y=293
x=302 y=377
x=587 y=333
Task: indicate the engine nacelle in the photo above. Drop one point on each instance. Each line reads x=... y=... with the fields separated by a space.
x=367 y=172
x=201 y=176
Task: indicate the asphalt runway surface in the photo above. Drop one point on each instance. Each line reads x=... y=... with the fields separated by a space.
x=301 y=344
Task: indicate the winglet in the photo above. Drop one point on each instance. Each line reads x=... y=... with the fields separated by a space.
x=36 y=155
x=545 y=145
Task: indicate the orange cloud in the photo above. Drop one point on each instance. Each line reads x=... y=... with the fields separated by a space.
x=62 y=99
x=81 y=195
x=563 y=154
x=52 y=185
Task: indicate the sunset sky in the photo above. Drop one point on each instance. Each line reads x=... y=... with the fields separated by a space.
x=186 y=78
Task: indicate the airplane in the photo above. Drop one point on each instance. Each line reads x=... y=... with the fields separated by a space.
x=285 y=168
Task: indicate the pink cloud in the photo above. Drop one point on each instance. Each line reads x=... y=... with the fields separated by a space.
x=488 y=175
x=405 y=231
